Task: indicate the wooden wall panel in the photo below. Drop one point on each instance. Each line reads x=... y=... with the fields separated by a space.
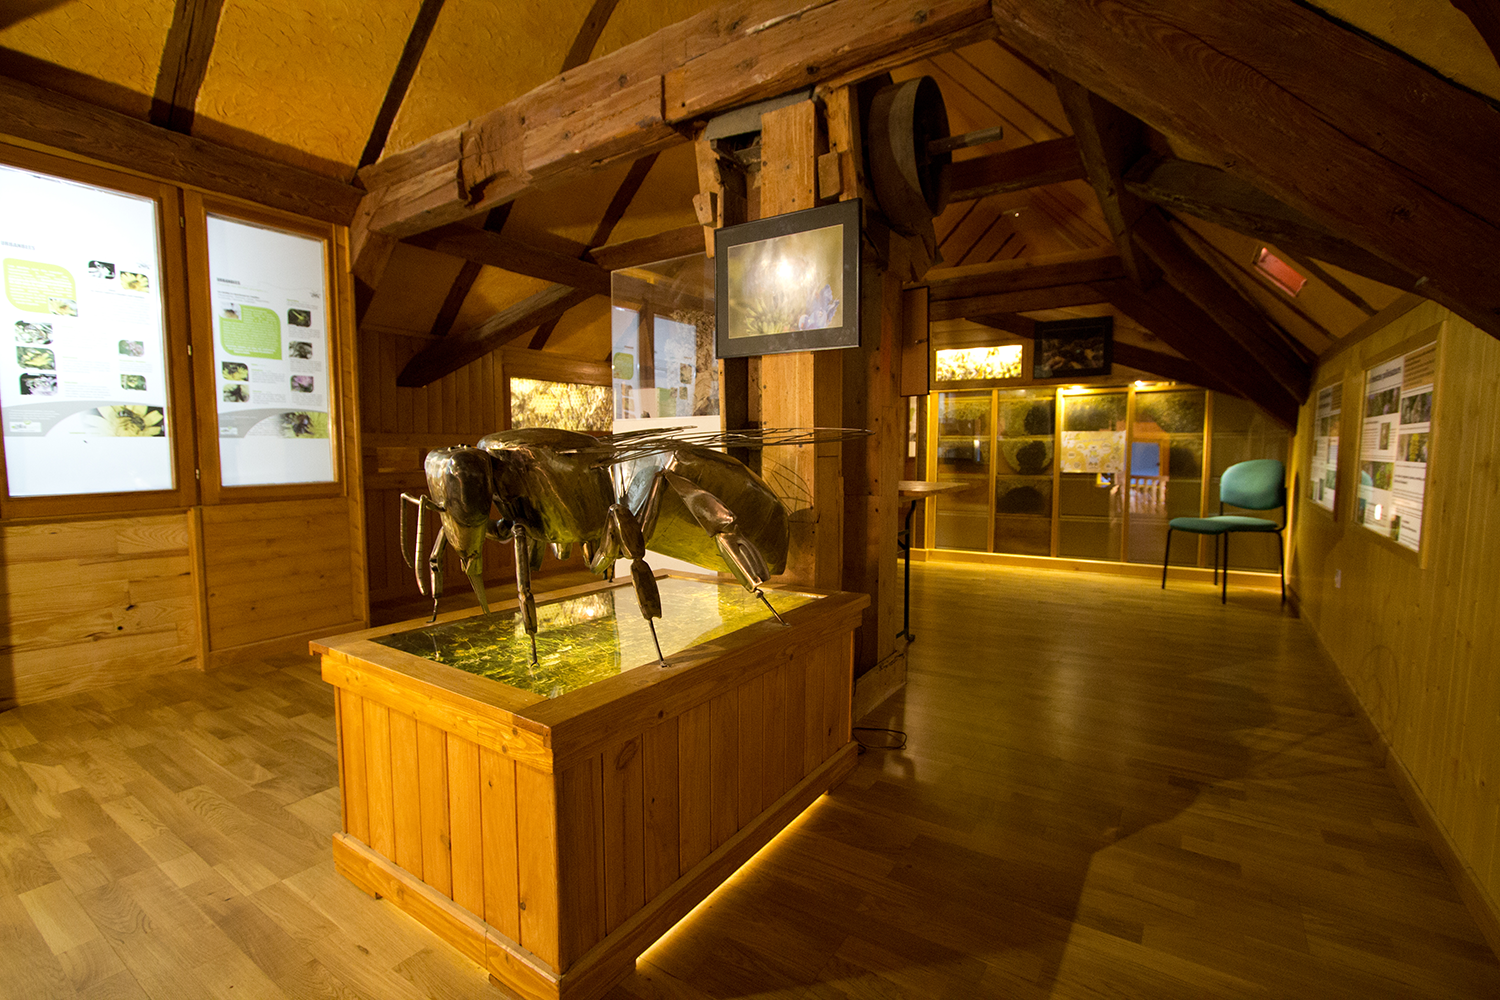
x=378 y=779
x=432 y=764
x=537 y=845
x=580 y=853
x=278 y=569
x=723 y=762
x=88 y=604
x=624 y=832
x=497 y=821
x=406 y=787
x=464 y=809
x=695 y=785
x=660 y=771
x=356 y=792
x=1416 y=639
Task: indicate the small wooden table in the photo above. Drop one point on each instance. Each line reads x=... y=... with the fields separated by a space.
x=915 y=490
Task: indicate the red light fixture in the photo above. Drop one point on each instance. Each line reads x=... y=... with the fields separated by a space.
x=1279 y=272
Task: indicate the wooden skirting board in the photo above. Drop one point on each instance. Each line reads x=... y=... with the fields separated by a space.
x=1182 y=574
x=612 y=958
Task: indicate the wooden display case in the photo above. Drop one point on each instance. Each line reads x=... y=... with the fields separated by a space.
x=553 y=840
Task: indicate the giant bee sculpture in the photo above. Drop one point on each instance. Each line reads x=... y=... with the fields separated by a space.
x=612 y=496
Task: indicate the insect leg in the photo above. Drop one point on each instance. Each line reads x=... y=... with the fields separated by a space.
x=435 y=571
x=739 y=553
x=524 y=547
x=624 y=533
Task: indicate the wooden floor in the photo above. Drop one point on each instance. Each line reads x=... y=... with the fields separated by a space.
x=1108 y=791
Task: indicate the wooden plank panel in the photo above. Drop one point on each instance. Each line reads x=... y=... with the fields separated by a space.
x=624 y=832
x=813 y=724
x=406 y=800
x=723 y=754
x=694 y=785
x=659 y=779
x=355 y=786
x=795 y=732
x=497 y=806
x=537 y=863
x=464 y=813
x=750 y=754
x=774 y=780
x=378 y=778
x=432 y=766
x=580 y=860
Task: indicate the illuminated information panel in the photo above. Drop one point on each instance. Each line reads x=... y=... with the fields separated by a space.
x=1393 y=445
x=83 y=379
x=271 y=368
x=1322 y=483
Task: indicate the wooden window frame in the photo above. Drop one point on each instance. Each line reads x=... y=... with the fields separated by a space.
x=175 y=339
x=197 y=208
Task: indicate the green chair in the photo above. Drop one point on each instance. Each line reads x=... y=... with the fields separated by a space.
x=1259 y=484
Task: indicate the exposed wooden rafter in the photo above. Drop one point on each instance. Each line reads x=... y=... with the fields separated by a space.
x=1168 y=366
x=451 y=353
x=52 y=119
x=588 y=34
x=1191 y=332
x=484 y=247
x=184 y=60
x=634 y=100
x=1109 y=141
x=1231 y=311
x=999 y=277
x=1398 y=162
x=1222 y=198
x=1051 y=162
x=406 y=69
x=662 y=246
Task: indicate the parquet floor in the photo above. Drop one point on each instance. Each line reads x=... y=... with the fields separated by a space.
x=1108 y=791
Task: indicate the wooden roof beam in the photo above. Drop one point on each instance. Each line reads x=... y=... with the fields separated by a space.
x=635 y=100
x=1026 y=300
x=1191 y=332
x=484 y=247
x=1235 y=314
x=1109 y=142
x=1398 y=163
x=448 y=355
x=184 y=61
x=1050 y=162
x=43 y=116
x=998 y=277
x=1215 y=196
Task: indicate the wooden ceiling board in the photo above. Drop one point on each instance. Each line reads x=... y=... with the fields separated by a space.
x=299 y=82
x=493 y=291
x=117 y=43
x=569 y=213
x=484 y=54
x=1432 y=31
x=665 y=198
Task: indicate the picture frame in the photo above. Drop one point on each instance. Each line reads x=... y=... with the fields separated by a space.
x=788 y=283
x=1070 y=349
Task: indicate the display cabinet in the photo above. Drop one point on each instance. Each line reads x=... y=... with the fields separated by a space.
x=551 y=821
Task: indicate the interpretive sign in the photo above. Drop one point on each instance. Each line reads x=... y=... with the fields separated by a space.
x=1394 y=445
x=83 y=377
x=271 y=366
x=1323 y=474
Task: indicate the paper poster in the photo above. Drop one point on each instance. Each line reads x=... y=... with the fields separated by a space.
x=271 y=367
x=1093 y=451
x=1394 y=446
x=1323 y=474
x=83 y=384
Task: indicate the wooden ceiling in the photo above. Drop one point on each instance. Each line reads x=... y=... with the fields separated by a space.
x=1149 y=151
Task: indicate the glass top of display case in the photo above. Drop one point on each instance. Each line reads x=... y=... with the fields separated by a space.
x=587 y=638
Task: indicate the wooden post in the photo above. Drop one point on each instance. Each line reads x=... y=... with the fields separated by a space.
x=803 y=389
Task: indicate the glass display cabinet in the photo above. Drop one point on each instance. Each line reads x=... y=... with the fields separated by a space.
x=551 y=821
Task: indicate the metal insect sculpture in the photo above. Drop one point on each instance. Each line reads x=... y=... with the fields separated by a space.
x=612 y=496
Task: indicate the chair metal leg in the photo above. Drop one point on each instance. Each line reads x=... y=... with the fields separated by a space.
x=1166 y=556
x=1224 y=598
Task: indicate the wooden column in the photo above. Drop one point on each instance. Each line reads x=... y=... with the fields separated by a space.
x=803 y=389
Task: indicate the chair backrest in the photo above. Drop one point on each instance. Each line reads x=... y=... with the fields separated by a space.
x=1259 y=484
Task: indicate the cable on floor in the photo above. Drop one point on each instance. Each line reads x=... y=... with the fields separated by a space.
x=897 y=739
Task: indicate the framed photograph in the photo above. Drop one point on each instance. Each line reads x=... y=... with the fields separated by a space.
x=1073 y=348
x=788 y=283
